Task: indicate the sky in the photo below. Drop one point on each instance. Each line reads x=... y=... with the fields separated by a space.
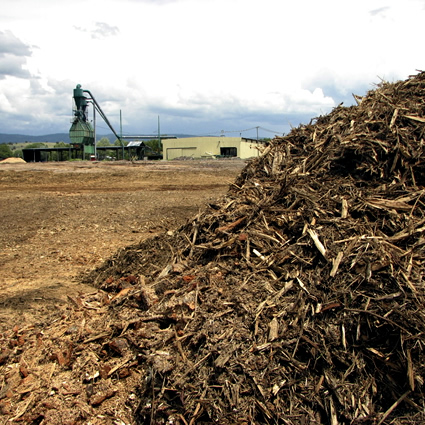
x=201 y=67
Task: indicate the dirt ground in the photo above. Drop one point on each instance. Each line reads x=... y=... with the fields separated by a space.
x=59 y=220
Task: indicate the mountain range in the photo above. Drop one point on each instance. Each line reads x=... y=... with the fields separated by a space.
x=22 y=138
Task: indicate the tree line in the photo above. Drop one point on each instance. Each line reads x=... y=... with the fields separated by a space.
x=10 y=150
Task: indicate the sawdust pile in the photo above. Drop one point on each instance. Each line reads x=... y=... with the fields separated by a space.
x=298 y=298
x=13 y=160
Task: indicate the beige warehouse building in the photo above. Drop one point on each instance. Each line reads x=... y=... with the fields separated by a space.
x=210 y=147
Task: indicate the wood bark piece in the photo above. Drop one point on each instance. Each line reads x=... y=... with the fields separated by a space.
x=98 y=399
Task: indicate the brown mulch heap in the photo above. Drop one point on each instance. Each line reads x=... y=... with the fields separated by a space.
x=298 y=298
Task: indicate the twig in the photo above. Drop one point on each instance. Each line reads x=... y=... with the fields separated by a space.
x=379 y=317
x=258 y=254
x=389 y=411
x=344 y=209
x=196 y=413
x=24 y=408
x=190 y=370
x=317 y=242
x=336 y=261
x=119 y=366
x=410 y=372
x=95 y=337
x=195 y=235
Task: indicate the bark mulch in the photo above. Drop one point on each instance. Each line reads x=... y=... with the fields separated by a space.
x=298 y=298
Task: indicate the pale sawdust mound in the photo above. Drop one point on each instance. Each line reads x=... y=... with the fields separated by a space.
x=12 y=161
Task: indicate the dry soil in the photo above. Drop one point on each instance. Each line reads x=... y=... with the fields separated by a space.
x=59 y=220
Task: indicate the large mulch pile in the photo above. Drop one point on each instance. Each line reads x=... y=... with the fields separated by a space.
x=298 y=298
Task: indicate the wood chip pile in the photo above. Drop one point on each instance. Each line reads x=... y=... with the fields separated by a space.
x=298 y=298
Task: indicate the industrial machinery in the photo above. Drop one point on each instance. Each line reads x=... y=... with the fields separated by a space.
x=82 y=134
x=81 y=131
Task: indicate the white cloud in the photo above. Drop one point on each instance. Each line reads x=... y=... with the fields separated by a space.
x=5 y=105
x=13 y=56
x=204 y=63
x=10 y=44
x=100 y=30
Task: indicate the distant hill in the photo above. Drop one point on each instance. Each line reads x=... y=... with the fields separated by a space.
x=22 y=138
x=57 y=137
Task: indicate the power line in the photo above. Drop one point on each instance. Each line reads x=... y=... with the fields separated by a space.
x=244 y=130
x=224 y=131
x=271 y=131
x=252 y=128
x=238 y=131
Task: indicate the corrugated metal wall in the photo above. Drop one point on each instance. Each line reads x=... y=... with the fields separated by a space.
x=207 y=147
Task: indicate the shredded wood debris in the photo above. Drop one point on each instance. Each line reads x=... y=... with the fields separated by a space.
x=298 y=298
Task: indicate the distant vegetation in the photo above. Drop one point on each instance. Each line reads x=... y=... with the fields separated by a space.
x=5 y=152
x=53 y=138
x=8 y=150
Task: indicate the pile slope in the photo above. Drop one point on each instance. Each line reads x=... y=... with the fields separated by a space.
x=298 y=298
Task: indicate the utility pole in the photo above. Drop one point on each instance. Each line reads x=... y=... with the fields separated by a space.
x=122 y=143
x=159 y=136
x=257 y=131
x=94 y=130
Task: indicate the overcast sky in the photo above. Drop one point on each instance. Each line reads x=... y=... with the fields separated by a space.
x=202 y=66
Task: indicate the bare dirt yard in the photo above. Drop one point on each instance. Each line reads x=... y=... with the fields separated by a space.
x=59 y=220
